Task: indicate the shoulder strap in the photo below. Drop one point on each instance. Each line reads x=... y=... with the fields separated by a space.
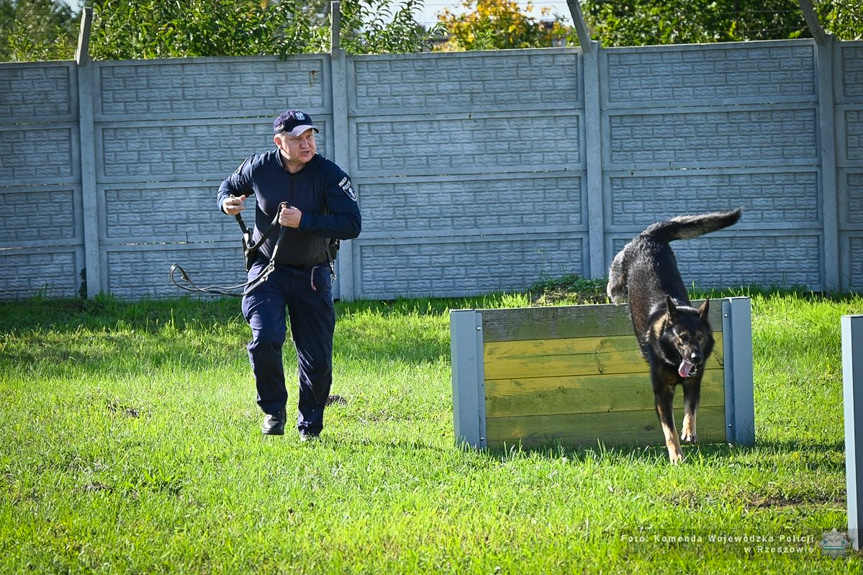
x=247 y=232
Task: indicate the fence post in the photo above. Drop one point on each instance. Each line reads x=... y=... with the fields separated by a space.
x=341 y=148
x=86 y=131
x=827 y=142
x=825 y=48
x=335 y=27
x=852 y=375
x=593 y=141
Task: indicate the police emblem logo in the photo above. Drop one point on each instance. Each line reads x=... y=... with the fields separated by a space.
x=835 y=544
x=346 y=187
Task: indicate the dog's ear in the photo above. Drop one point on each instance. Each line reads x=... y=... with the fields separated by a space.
x=672 y=308
x=702 y=311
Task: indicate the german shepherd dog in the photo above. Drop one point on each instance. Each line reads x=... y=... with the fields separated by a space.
x=675 y=338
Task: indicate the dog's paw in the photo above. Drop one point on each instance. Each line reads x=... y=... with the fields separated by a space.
x=675 y=456
x=687 y=432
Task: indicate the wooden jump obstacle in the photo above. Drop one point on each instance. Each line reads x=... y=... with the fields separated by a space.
x=574 y=375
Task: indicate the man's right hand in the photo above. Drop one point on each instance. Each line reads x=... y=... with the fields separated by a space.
x=234 y=205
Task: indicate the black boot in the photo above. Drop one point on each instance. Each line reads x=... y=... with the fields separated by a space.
x=274 y=423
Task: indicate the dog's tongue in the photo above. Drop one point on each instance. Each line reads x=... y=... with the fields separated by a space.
x=685 y=368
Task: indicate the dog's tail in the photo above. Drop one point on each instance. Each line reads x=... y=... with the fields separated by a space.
x=687 y=227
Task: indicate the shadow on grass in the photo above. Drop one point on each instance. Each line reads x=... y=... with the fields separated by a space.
x=106 y=313
x=127 y=354
x=56 y=337
x=395 y=446
x=824 y=457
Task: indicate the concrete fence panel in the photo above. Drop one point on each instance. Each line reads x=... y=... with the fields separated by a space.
x=476 y=172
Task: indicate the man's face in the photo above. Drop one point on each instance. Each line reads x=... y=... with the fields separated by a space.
x=297 y=150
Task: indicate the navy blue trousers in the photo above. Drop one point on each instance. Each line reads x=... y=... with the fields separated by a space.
x=307 y=296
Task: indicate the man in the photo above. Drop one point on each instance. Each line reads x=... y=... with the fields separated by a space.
x=320 y=205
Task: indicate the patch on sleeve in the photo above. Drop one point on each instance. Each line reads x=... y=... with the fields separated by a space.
x=347 y=188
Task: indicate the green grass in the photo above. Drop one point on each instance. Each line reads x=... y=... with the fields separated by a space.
x=130 y=443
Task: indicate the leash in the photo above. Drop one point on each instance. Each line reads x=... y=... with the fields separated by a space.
x=250 y=250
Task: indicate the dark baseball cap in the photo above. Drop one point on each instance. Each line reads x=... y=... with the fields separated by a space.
x=294 y=122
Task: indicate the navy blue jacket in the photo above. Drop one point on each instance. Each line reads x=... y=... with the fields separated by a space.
x=321 y=191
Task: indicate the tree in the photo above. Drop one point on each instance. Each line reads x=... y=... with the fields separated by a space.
x=843 y=18
x=48 y=29
x=641 y=22
x=37 y=30
x=164 y=28
x=381 y=26
x=499 y=24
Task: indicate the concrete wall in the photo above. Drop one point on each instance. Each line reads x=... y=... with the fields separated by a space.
x=692 y=130
x=470 y=171
x=476 y=172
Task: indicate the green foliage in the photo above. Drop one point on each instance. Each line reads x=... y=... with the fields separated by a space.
x=165 y=29
x=48 y=29
x=843 y=18
x=384 y=26
x=37 y=30
x=162 y=29
x=643 y=22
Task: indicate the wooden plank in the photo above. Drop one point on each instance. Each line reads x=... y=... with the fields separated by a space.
x=555 y=322
x=630 y=428
x=572 y=356
x=560 y=322
x=586 y=394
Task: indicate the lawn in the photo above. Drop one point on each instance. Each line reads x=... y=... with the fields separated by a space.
x=130 y=443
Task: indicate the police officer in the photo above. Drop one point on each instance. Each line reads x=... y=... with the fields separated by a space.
x=318 y=204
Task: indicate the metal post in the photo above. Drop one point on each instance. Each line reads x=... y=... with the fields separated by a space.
x=468 y=385
x=739 y=400
x=852 y=371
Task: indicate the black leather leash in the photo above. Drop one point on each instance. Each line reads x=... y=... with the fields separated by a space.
x=250 y=250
